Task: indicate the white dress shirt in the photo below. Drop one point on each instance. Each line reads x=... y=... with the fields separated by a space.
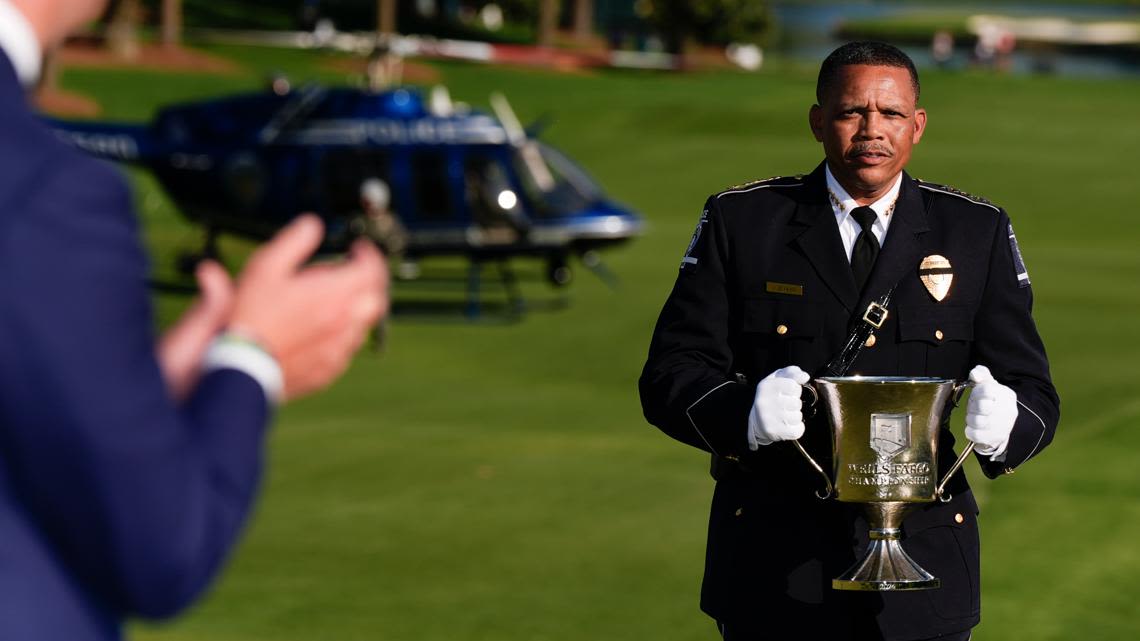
x=842 y=204
x=18 y=41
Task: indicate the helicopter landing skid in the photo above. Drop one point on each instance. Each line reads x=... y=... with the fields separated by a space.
x=516 y=304
x=593 y=262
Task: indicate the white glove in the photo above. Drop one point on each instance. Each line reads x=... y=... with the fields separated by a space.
x=990 y=414
x=776 y=411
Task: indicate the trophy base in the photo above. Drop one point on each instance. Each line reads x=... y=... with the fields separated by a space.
x=886 y=567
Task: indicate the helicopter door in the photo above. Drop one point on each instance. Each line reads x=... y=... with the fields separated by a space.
x=495 y=207
x=346 y=176
x=431 y=188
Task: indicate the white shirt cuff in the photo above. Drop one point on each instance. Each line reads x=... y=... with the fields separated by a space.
x=232 y=351
x=19 y=42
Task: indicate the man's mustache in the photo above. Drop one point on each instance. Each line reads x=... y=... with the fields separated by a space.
x=869 y=147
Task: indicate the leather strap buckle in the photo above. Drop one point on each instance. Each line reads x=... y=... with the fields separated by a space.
x=875 y=315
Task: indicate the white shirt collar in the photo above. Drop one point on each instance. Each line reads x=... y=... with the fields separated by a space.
x=19 y=42
x=842 y=203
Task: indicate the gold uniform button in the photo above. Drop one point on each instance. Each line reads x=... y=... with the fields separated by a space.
x=958 y=518
x=870 y=341
x=938 y=334
x=781 y=329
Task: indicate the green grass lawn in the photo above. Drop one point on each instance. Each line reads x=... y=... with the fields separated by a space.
x=483 y=481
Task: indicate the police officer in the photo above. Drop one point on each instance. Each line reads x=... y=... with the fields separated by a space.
x=777 y=276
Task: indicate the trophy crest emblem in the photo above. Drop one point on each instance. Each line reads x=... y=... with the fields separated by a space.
x=936 y=275
x=890 y=434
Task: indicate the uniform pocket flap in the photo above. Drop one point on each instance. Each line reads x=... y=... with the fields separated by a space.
x=960 y=511
x=782 y=318
x=935 y=325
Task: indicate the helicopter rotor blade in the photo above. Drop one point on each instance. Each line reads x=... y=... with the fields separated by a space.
x=517 y=136
x=506 y=115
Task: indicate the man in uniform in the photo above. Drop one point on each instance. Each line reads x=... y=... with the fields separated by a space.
x=778 y=274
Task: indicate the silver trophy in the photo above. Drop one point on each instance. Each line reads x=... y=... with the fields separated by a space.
x=884 y=443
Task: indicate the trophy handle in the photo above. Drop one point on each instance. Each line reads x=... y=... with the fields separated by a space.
x=826 y=479
x=941 y=491
x=955 y=397
x=959 y=390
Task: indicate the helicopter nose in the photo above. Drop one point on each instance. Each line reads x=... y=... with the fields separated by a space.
x=614 y=224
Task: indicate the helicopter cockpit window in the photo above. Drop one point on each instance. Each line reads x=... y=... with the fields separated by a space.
x=490 y=196
x=429 y=180
x=552 y=182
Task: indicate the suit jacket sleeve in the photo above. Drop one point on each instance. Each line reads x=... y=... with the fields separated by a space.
x=1008 y=343
x=141 y=499
x=688 y=389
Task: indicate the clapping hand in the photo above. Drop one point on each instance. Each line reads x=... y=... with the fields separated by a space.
x=310 y=318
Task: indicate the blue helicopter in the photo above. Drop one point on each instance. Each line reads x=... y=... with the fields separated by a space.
x=418 y=174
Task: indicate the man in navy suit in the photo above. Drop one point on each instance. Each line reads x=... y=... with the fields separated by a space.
x=128 y=462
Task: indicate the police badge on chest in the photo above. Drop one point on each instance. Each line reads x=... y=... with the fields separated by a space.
x=936 y=275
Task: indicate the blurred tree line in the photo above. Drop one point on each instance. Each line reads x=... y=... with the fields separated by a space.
x=711 y=21
x=675 y=22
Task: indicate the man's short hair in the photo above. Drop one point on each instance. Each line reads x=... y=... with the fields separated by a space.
x=878 y=54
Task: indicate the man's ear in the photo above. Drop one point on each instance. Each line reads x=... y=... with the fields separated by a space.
x=815 y=121
x=919 y=125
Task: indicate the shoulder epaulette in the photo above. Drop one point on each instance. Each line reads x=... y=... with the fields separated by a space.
x=954 y=191
x=774 y=181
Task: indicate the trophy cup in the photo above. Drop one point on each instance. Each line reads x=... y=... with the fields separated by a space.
x=884 y=443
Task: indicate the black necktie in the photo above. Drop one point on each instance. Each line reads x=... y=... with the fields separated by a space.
x=866 y=246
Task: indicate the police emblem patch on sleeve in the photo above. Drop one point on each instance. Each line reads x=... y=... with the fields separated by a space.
x=1018 y=263
x=689 y=259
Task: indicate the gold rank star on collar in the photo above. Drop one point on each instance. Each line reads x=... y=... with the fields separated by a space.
x=842 y=209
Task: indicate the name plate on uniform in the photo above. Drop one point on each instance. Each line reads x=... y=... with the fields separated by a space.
x=784 y=288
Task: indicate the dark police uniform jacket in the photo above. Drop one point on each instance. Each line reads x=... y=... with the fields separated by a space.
x=766 y=284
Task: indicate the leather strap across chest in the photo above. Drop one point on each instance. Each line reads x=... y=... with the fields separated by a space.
x=873 y=319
